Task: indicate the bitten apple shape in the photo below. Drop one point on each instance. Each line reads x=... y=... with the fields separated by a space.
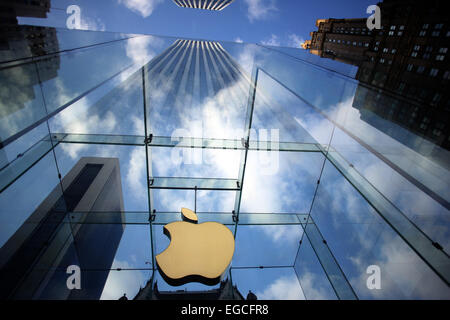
x=197 y=252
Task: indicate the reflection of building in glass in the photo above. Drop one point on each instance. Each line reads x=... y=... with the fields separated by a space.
x=407 y=57
x=20 y=41
x=204 y=4
x=190 y=74
x=33 y=262
x=226 y=291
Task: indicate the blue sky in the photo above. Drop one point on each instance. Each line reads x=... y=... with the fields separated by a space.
x=276 y=22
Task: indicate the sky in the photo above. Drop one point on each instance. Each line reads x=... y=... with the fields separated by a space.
x=272 y=22
x=340 y=209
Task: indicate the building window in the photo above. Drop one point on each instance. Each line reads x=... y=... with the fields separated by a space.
x=429 y=49
x=434 y=72
x=422 y=33
x=425 y=26
x=400 y=33
x=409 y=67
x=402 y=28
x=440 y=57
x=375 y=49
x=438 y=26
x=443 y=50
x=391 y=33
x=425 y=122
x=435 y=34
x=392 y=28
x=414 y=54
x=381 y=60
x=420 y=69
x=389 y=62
x=446 y=75
x=366 y=44
x=385 y=50
x=426 y=56
x=393 y=51
x=437 y=97
x=401 y=87
x=354 y=43
x=416 y=47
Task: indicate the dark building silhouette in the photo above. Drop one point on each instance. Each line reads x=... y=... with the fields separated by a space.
x=34 y=260
x=10 y=10
x=226 y=291
x=215 y=5
x=406 y=62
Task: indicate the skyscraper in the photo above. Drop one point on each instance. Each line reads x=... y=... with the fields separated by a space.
x=215 y=5
x=406 y=58
x=34 y=261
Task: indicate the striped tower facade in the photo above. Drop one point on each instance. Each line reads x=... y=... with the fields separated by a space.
x=190 y=73
x=216 y=5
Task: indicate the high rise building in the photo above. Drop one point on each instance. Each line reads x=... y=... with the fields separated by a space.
x=215 y=5
x=190 y=71
x=406 y=58
x=35 y=259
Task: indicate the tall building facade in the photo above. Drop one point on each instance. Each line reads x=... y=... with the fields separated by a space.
x=215 y=5
x=408 y=58
x=35 y=259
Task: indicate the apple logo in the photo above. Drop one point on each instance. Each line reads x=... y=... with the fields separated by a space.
x=196 y=252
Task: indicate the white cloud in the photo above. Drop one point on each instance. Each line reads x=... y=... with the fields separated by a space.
x=295 y=41
x=309 y=285
x=272 y=41
x=140 y=49
x=238 y=39
x=120 y=282
x=136 y=172
x=284 y=288
x=92 y=24
x=144 y=7
x=260 y=9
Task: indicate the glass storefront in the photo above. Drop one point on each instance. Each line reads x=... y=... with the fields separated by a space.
x=270 y=142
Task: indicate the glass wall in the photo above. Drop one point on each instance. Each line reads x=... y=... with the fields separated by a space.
x=268 y=142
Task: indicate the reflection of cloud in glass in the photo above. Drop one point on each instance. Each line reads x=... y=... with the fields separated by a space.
x=284 y=288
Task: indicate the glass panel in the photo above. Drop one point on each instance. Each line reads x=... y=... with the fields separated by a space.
x=313 y=280
x=131 y=162
x=192 y=183
x=125 y=281
x=21 y=103
x=272 y=178
x=254 y=242
x=268 y=284
x=368 y=241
